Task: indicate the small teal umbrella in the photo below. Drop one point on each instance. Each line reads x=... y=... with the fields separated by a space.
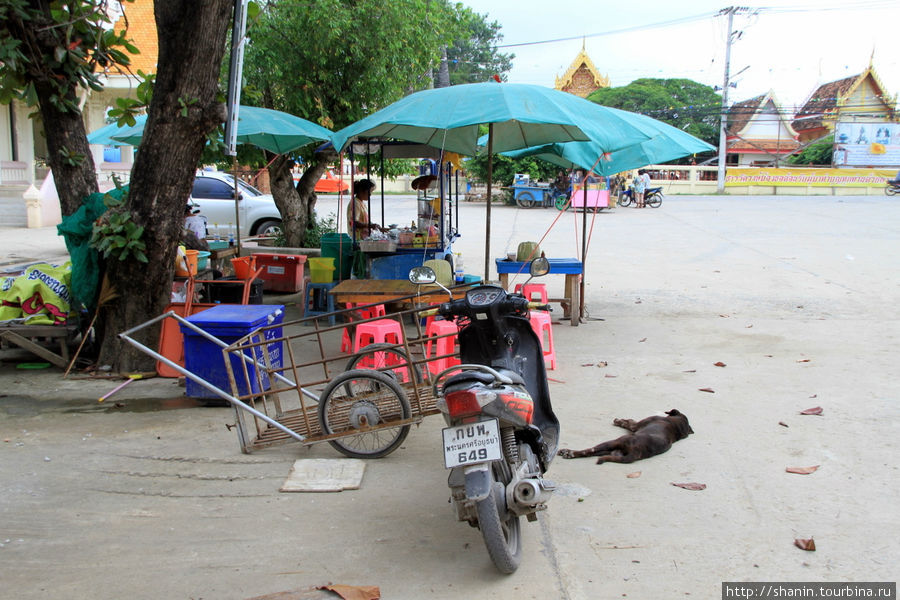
x=273 y=130
x=104 y=135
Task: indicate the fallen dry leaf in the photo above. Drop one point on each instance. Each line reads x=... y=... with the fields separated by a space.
x=719 y=364
x=724 y=316
x=782 y=423
x=642 y=340
x=610 y=376
x=602 y=363
x=697 y=487
x=814 y=396
x=708 y=390
x=587 y=365
x=816 y=410
x=690 y=371
x=634 y=475
x=803 y=360
x=749 y=327
x=802 y=470
x=808 y=545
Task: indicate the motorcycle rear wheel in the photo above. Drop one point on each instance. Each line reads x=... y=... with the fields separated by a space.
x=502 y=534
x=892 y=190
x=356 y=401
x=624 y=200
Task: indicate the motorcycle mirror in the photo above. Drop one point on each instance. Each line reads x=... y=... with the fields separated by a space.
x=539 y=266
x=422 y=275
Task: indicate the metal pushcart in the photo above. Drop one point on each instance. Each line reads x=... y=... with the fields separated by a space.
x=362 y=403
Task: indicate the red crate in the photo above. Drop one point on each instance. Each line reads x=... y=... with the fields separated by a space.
x=281 y=272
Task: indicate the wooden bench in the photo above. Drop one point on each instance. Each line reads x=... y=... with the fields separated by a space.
x=38 y=338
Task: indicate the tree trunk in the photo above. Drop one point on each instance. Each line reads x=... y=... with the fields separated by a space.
x=183 y=110
x=296 y=204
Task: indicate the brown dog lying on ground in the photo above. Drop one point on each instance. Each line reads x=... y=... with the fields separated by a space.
x=648 y=437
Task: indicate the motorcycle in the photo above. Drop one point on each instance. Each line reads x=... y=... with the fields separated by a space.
x=652 y=197
x=502 y=433
x=892 y=187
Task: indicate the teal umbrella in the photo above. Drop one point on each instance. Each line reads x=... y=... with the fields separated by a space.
x=518 y=116
x=104 y=135
x=275 y=131
x=522 y=116
x=659 y=149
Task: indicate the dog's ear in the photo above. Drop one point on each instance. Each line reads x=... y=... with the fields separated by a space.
x=673 y=413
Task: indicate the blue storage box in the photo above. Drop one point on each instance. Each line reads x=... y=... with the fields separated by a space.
x=397 y=266
x=229 y=323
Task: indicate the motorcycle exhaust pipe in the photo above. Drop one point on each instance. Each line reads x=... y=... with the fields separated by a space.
x=529 y=492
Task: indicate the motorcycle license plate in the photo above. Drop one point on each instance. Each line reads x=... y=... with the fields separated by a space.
x=472 y=443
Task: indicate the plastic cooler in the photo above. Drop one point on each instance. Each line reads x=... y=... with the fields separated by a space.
x=229 y=323
x=281 y=272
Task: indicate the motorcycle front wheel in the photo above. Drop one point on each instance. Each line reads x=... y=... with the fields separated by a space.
x=624 y=200
x=655 y=200
x=892 y=190
x=500 y=529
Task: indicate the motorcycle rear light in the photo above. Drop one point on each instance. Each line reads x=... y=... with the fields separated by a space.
x=465 y=403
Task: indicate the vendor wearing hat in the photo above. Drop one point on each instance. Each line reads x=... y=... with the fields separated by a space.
x=357 y=213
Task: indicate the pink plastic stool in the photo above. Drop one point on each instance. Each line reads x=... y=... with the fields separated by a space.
x=382 y=331
x=443 y=345
x=540 y=323
x=530 y=289
x=366 y=313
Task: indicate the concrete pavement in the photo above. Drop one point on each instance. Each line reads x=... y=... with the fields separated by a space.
x=795 y=295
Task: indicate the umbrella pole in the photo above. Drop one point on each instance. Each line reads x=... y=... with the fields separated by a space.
x=487 y=226
x=583 y=250
x=237 y=201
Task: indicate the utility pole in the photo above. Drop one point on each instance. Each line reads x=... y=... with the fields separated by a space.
x=723 y=145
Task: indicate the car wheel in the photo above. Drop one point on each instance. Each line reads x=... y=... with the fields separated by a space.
x=268 y=228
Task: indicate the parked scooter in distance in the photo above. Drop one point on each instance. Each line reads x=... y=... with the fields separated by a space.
x=502 y=433
x=892 y=187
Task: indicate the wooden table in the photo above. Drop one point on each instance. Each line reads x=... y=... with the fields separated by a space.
x=570 y=267
x=217 y=257
x=376 y=291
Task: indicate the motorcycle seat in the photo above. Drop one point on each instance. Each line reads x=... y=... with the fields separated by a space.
x=468 y=377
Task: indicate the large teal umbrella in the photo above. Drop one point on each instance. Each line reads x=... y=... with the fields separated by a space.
x=275 y=131
x=518 y=116
x=522 y=116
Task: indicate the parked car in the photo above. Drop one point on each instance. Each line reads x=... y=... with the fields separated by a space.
x=213 y=194
x=327 y=184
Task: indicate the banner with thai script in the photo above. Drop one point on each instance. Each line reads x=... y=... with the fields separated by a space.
x=807 y=177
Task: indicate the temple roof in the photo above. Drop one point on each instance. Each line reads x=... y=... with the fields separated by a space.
x=829 y=97
x=582 y=63
x=142 y=33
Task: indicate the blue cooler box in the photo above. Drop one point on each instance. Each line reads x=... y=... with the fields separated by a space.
x=229 y=323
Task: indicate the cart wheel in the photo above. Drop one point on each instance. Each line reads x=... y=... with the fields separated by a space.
x=360 y=405
x=525 y=199
x=562 y=202
x=388 y=359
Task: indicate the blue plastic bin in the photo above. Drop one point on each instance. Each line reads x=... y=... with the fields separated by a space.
x=229 y=323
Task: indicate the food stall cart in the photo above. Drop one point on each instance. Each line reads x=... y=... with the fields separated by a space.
x=431 y=235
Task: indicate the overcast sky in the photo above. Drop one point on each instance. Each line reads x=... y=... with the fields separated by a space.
x=788 y=47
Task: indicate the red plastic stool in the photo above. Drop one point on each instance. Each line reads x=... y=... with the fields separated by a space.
x=530 y=289
x=366 y=313
x=540 y=323
x=443 y=345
